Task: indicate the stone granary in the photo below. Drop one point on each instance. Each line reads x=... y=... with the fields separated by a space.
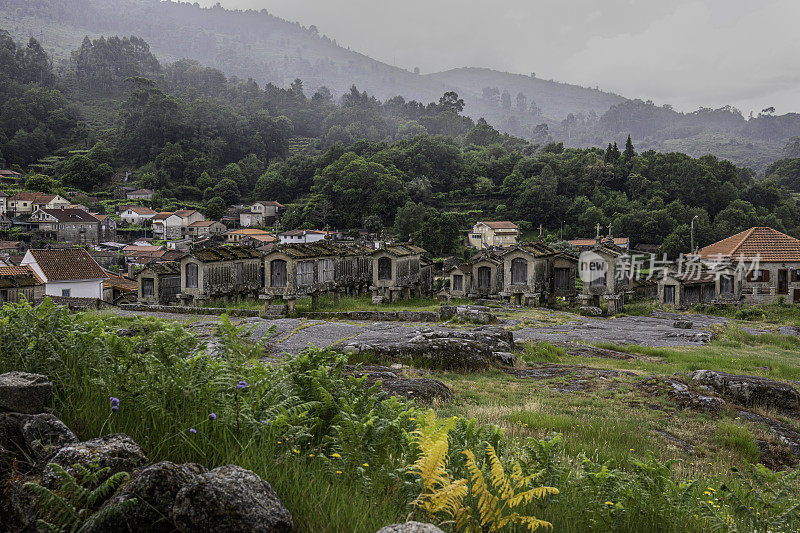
x=399 y=271
x=700 y=285
x=159 y=283
x=610 y=284
x=296 y=270
x=528 y=273
x=225 y=272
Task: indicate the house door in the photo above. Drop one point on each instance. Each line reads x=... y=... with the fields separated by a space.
x=783 y=281
x=669 y=294
x=484 y=277
x=277 y=273
x=796 y=296
x=3 y=296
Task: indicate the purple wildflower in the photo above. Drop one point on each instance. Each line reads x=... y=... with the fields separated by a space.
x=115 y=408
x=241 y=385
x=114 y=401
x=212 y=416
x=192 y=431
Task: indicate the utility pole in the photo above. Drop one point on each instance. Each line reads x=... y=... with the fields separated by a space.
x=691 y=233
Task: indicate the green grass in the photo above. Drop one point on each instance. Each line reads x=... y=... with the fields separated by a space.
x=738 y=439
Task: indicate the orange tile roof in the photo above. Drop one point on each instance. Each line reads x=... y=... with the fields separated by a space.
x=770 y=245
x=184 y=213
x=202 y=223
x=499 y=224
x=35 y=197
x=248 y=231
x=618 y=241
x=67 y=265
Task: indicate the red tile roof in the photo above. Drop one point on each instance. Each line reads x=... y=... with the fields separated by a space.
x=67 y=265
x=499 y=224
x=618 y=241
x=270 y=203
x=138 y=209
x=770 y=245
x=18 y=276
x=35 y=197
x=202 y=223
x=185 y=213
x=71 y=215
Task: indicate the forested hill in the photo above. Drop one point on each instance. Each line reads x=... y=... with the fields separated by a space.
x=254 y=44
x=403 y=168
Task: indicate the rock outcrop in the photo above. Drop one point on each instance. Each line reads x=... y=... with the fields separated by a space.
x=171 y=497
x=118 y=452
x=441 y=348
x=231 y=499
x=25 y=393
x=410 y=527
x=422 y=389
x=750 y=390
x=155 y=487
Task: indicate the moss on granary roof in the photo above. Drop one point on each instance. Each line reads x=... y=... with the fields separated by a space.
x=225 y=253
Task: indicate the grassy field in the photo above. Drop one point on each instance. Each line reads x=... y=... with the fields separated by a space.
x=622 y=457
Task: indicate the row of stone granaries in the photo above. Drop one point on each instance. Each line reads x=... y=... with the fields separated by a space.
x=288 y=272
x=529 y=273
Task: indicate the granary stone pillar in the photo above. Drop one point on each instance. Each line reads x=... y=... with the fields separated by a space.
x=314 y=300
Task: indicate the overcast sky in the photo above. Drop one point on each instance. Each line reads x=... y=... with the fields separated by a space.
x=689 y=53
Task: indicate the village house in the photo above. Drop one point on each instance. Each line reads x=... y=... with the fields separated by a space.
x=135 y=214
x=10 y=175
x=67 y=225
x=106 y=259
x=18 y=283
x=225 y=272
x=69 y=273
x=203 y=229
x=236 y=236
x=488 y=234
x=302 y=236
x=295 y=270
x=763 y=266
x=140 y=194
x=106 y=228
x=258 y=241
x=159 y=283
x=260 y=214
x=25 y=203
x=172 y=225
x=400 y=272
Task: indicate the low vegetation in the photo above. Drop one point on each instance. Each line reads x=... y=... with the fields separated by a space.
x=509 y=454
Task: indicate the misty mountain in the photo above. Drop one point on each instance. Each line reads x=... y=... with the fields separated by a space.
x=268 y=49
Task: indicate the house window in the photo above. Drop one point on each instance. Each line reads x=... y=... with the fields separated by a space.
x=305 y=273
x=191 y=275
x=458 y=282
x=758 y=275
x=519 y=271
x=384 y=268
x=795 y=275
x=148 y=287
x=66 y=292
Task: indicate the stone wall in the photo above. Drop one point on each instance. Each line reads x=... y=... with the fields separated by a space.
x=190 y=310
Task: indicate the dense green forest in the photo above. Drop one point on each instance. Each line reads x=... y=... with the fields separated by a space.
x=413 y=170
x=255 y=44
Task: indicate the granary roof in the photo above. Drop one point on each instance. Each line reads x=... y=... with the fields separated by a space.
x=401 y=250
x=618 y=241
x=225 y=253
x=320 y=249
x=770 y=245
x=67 y=265
x=537 y=249
x=116 y=281
x=165 y=267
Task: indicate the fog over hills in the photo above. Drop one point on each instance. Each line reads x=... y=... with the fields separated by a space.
x=259 y=45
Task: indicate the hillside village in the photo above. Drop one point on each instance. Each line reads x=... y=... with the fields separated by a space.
x=180 y=258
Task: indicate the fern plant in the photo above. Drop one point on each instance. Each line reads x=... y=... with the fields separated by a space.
x=498 y=503
x=69 y=508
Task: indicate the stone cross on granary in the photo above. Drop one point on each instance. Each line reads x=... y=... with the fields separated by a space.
x=598 y=231
x=540 y=231
x=609 y=232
